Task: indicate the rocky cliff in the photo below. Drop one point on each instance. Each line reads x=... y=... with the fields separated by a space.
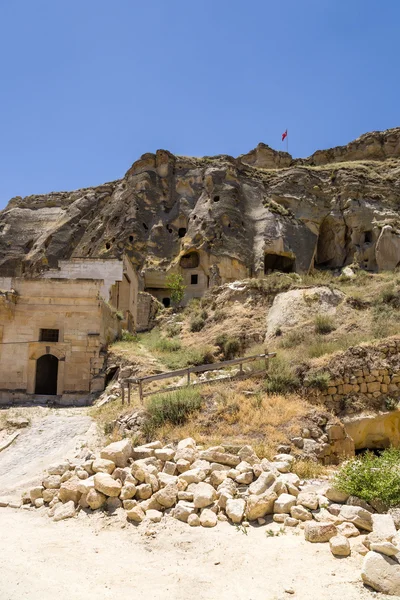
x=261 y=211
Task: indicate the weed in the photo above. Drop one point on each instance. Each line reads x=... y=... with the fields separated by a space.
x=127 y=336
x=324 y=324
x=391 y=403
x=308 y=469
x=320 y=380
x=229 y=346
x=173 y=330
x=241 y=529
x=281 y=378
x=171 y=408
x=292 y=339
x=197 y=323
x=219 y=315
x=372 y=477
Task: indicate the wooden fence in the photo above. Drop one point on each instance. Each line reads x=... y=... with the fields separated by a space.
x=140 y=381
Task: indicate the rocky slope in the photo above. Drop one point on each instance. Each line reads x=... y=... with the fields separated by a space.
x=335 y=207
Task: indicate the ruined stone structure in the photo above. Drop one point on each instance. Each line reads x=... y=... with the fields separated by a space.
x=54 y=328
x=220 y=218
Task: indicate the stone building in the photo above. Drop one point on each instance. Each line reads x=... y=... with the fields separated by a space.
x=54 y=329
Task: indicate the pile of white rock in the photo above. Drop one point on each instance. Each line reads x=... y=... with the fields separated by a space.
x=202 y=487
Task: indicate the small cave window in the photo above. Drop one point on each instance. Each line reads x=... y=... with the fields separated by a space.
x=108 y=245
x=182 y=232
x=166 y=302
x=168 y=228
x=131 y=238
x=216 y=198
x=194 y=279
x=276 y=262
x=49 y=335
x=190 y=261
x=145 y=226
x=367 y=237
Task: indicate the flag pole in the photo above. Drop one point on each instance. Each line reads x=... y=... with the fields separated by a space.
x=287 y=141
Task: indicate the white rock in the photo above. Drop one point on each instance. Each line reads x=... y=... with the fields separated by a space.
x=141 y=452
x=339 y=545
x=259 y=505
x=58 y=468
x=136 y=514
x=187 y=443
x=360 y=517
x=203 y=495
x=52 y=482
x=261 y=484
x=208 y=518
x=154 y=516
x=167 y=496
x=95 y=499
x=35 y=493
x=334 y=495
x=128 y=491
x=385 y=548
x=193 y=520
x=383 y=526
x=301 y=513
x=103 y=465
x=104 y=483
x=235 y=509
x=308 y=499
x=319 y=532
x=348 y=530
x=382 y=573
x=217 y=477
x=169 y=468
x=66 y=511
x=183 y=510
x=193 y=476
x=164 y=454
x=69 y=490
x=290 y=522
x=118 y=452
x=284 y=503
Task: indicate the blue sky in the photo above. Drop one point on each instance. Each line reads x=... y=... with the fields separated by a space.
x=87 y=86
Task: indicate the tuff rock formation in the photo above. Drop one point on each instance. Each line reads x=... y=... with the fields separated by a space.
x=243 y=216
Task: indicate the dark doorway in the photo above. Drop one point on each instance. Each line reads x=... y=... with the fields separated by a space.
x=46 y=375
x=276 y=262
x=166 y=302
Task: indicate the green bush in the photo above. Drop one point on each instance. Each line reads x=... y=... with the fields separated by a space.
x=174 y=407
x=187 y=357
x=173 y=330
x=219 y=315
x=167 y=345
x=197 y=323
x=324 y=324
x=292 y=339
x=319 y=381
x=372 y=477
x=228 y=345
x=281 y=379
x=127 y=336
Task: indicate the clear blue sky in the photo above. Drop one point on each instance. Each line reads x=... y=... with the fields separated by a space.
x=87 y=86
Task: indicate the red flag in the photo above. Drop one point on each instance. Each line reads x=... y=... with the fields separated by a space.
x=284 y=135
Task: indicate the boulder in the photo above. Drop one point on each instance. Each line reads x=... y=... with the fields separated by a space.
x=348 y=530
x=222 y=458
x=95 y=499
x=128 y=491
x=217 y=477
x=52 y=482
x=169 y=468
x=248 y=454
x=265 y=480
x=284 y=503
x=103 y=465
x=208 y=518
x=308 y=500
x=36 y=492
x=104 y=483
x=65 y=511
x=154 y=516
x=167 y=496
x=300 y=513
x=335 y=495
x=319 y=532
x=58 y=468
x=386 y=548
x=69 y=490
x=48 y=495
x=193 y=520
x=138 y=472
x=112 y=504
x=118 y=452
x=164 y=454
x=339 y=545
x=360 y=517
x=235 y=509
x=144 y=491
x=203 y=495
x=136 y=514
x=383 y=527
x=259 y=505
x=183 y=510
x=382 y=573
x=193 y=476
x=187 y=443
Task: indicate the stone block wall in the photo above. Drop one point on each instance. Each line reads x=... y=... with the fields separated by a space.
x=363 y=377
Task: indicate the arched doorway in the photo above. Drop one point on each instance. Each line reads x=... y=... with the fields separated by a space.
x=46 y=375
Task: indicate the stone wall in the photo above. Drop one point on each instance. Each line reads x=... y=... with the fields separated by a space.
x=147 y=310
x=363 y=377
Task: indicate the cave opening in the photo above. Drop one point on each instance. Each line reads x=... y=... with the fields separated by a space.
x=277 y=262
x=182 y=232
x=167 y=302
x=190 y=261
x=367 y=237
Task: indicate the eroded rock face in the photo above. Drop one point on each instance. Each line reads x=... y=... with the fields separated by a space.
x=245 y=216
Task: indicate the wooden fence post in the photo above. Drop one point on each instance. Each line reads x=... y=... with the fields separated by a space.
x=266 y=360
x=140 y=392
x=188 y=376
x=129 y=393
x=123 y=393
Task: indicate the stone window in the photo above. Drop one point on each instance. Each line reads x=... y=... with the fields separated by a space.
x=194 y=279
x=190 y=261
x=49 y=335
x=216 y=198
x=182 y=232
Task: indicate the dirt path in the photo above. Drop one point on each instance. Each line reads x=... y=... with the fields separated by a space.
x=49 y=438
x=103 y=557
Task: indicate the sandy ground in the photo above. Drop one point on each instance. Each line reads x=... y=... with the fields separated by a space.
x=53 y=435
x=103 y=557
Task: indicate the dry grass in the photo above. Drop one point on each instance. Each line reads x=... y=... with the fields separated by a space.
x=308 y=469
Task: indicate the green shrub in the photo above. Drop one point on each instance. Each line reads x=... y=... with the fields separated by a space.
x=174 y=407
x=127 y=336
x=167 y=345
x=320 y=381
x=292 y=339
x=219 y=315
x=228 y=345
x=175 y=284
x=186 y=357
x=390 y=295
x=197 y=323
x=173 y=330
x=324 y=324
x=372 y=477
x=280 y=379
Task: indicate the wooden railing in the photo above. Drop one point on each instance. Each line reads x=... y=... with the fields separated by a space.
x=140 y=381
